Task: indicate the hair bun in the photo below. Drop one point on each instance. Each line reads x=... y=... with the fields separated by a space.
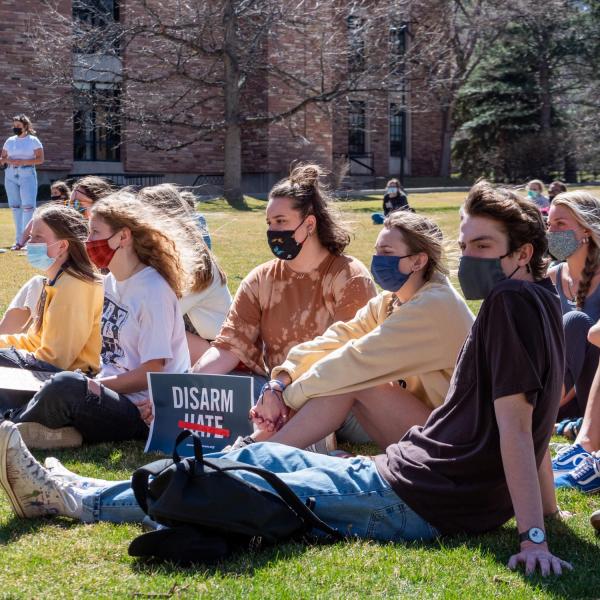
x=305 y=175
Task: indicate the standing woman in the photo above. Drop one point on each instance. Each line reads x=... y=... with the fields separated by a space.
x=21 y=153
x=574 y=237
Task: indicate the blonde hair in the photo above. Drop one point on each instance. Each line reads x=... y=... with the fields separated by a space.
x=199 y=262
x=154 y=235
x=26 y=122
x=536 y=182
x=586 y=210
x=421 y=234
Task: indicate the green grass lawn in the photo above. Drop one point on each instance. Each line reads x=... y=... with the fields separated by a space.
x=61 y=559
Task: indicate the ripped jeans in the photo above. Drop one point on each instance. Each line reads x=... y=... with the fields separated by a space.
x=350 y=494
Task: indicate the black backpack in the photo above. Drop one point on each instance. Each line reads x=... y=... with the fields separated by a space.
x=198 y=512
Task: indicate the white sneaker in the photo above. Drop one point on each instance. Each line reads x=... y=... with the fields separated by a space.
x=38 y=436
x=58 y=470
x=325 y=446
x=31 y=489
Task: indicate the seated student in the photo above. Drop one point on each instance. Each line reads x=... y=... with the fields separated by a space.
x=554 y=189
x=394 y=199
x=65 y=333
x=578 y=466
x=480 y=458
x=574 y=237
x=87 y=191
x=200 y=219
x=295 y=297
x=391 y=364
x=535 y=192
x=142 y=331
x=206 y=299
x=22 y=310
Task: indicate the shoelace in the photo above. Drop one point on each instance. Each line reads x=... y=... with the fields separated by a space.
x=63 y=488
x=587 y=465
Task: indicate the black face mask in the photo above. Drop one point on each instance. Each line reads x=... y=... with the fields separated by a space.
x=283 y=245
x=17 y=130
x=479 y=276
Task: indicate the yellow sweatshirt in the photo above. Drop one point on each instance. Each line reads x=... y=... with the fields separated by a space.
x=70 y=334
x=418 y=343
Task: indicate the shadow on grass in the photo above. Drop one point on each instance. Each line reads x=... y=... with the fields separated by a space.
x=16 y=528
x=582 y=582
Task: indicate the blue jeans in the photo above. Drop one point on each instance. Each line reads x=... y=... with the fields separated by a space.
x=350 y=494
x=21 y=190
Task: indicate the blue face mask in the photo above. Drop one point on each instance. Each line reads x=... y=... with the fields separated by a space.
x=37 y=255
x=386 y=272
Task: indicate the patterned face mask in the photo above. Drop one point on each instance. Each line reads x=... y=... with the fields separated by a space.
x=561 y=244
x=283 y=244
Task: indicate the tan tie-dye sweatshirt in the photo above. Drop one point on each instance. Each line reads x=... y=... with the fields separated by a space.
x=276 y=308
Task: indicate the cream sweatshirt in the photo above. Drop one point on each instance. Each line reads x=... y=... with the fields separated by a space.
x=418 y=343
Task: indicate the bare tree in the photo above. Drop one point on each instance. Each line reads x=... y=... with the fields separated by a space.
x=197 y=70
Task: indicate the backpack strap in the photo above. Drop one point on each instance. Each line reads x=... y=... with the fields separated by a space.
x=140 y=477
x=283 y=490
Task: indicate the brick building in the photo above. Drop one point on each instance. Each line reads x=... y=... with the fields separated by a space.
x=376 y=133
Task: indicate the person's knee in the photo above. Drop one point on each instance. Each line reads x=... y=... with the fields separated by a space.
x=576 y=325
x=62 y=388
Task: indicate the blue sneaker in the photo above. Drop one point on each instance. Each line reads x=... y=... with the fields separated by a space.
x=585 y=478
x=568 y=459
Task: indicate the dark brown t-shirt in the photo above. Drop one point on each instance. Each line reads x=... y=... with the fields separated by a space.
x=450 y=470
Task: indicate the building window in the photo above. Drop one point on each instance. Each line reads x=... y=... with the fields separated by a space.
x=397 y=131
x=356 y=128
x=356 y=43
x=97 y=132
x=398 y=47
x=89 y=17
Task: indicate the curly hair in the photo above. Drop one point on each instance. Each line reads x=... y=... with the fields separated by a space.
x=520 y=219
x=309 y=197
x=586 y=209
x=154 y=236
x=200 y=263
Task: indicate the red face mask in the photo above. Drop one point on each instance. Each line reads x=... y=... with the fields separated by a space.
x=100 y=252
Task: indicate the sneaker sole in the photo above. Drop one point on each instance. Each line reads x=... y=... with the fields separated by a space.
x=39 y=437
x=4 y=439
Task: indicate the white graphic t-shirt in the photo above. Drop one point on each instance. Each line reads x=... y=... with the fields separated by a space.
x=22 y=148
x=141 y=321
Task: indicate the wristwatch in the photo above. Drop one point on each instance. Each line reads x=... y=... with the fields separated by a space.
x=535 y=535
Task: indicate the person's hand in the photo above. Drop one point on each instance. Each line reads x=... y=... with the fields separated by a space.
x=270 y=413
x=146 y=409
x=532 y=555
x=14 y=162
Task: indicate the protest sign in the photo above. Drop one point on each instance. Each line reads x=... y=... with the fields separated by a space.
x=216 y=406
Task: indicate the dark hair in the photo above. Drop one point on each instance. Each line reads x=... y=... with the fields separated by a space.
x=310 y=198
x=62 y=187
x=420 y=235
x=561 y=186
x=26 y=122
x=520 y=218
x=93 y=187
x=68 y=224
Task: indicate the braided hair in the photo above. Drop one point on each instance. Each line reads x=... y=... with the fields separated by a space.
x=586 y=210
